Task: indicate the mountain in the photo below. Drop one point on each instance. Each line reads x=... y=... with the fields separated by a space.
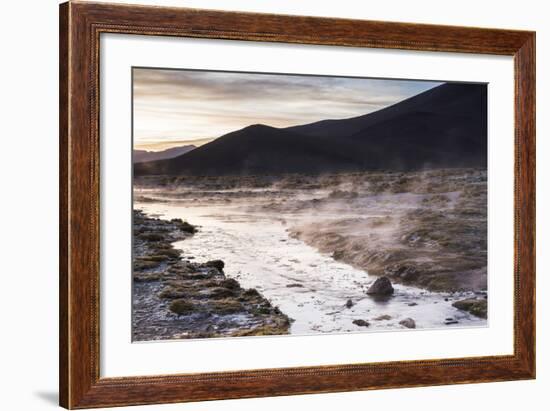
x=445 y=126
x=259 y=149
x=141 y=156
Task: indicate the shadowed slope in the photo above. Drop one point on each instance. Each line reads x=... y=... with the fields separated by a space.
x=260 y=149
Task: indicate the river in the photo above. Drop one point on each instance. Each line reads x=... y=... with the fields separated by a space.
x=310 y=287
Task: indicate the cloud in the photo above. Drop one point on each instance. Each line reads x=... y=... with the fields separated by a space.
x=181 y=105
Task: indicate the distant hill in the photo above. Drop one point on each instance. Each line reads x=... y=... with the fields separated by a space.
x=141 y=156
x=443 y=127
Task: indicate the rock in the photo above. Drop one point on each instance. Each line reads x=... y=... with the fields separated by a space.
x=294 y=285
x=225 y=306
x=473 y=306
x=252 y=293
x=171 y=293
x=145 y=278
x=184 y=225
x=408 y=322
x=405 y=272
x=204 y=299
x=338 y=255
x=384 y=317
x=412 y=304
x=448 y=322
x=151 y=237
x=140 y=265
x=218 y=264
x=382 y=286
x=182 y=307
x=409 y=276
x=230 y=283
x=219 y=292
x=349 y=303
x=361 y=323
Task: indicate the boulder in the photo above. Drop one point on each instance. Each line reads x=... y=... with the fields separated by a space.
x=382 y=286
x=361 y=323
x=349 y=303
x=408 y=322
x=218 y=264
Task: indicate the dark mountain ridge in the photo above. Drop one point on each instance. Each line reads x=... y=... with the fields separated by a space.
x=443 y=127
x=141 y=156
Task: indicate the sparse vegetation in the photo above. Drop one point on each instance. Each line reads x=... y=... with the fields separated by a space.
x=183 y=307
x=474 y=306
x=434 y=238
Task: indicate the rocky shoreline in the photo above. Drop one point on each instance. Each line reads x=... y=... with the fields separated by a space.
x=176 y=298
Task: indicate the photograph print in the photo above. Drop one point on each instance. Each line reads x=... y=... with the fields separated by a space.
x=281 y=204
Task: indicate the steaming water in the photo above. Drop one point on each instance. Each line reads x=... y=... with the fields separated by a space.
x=309 y=287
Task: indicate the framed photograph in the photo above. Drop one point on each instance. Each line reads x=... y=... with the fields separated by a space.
x=260 y=205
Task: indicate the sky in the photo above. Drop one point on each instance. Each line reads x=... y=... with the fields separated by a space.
x=179 y=107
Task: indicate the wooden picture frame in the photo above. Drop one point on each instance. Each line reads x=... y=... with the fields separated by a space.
x=80 y=27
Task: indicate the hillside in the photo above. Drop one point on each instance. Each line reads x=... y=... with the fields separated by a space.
x=442 y=127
